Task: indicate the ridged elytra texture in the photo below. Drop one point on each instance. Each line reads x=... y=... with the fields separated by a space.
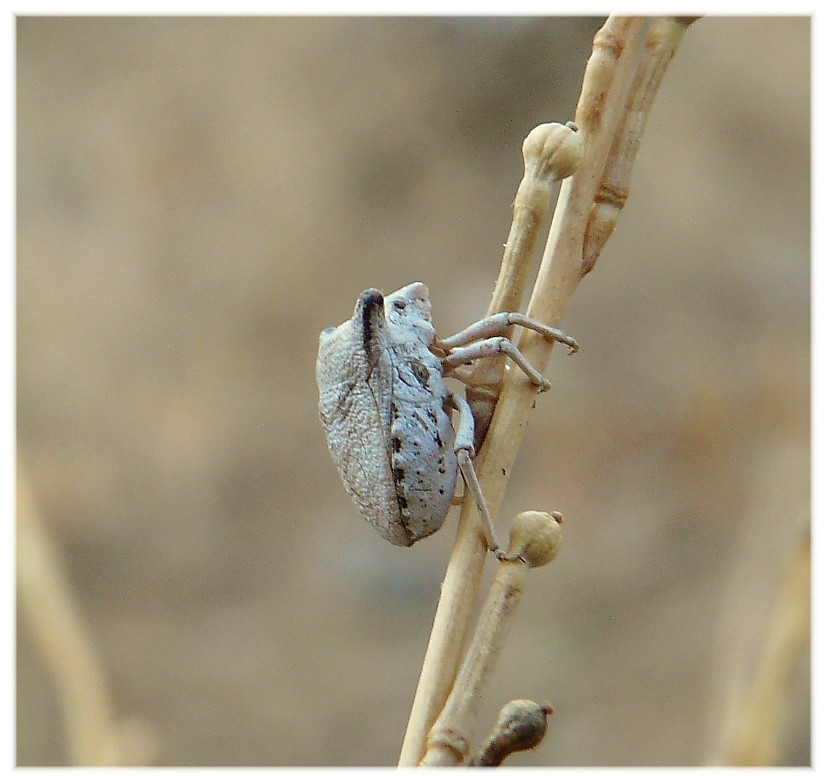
x=384 y=406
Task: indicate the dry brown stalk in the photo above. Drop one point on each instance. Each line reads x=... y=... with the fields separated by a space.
x=664 y=36
x=752 y=733
x=94 y=737
x=601 y=113
x=537 y=537
x=551 y=153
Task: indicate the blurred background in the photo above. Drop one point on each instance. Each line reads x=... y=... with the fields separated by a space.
x=199 y=197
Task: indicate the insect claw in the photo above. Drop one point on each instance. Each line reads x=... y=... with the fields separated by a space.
x=504 y=556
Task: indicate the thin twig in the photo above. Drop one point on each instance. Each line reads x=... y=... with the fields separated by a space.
x=663 y=38
x=536 y=537
x=461 y=583
x=551 y=152
x=752 y=733
x=607 y=90
x=94 y=737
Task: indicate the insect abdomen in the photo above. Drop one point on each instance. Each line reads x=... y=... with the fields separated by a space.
x=423 y=464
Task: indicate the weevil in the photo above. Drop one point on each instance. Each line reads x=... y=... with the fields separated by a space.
x=386 y=408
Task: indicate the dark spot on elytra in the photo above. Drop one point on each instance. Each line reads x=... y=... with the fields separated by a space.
x=402 y=501
x=397 y=444
x=421 y=373
x=398 y=474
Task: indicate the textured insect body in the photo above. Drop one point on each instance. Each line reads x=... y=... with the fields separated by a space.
x=385 y=408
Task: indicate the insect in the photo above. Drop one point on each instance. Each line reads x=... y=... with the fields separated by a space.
x=386 y=408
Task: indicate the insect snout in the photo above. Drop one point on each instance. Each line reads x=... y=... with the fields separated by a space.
x=418 y=290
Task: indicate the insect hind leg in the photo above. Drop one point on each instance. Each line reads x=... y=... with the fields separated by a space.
x=463 y=446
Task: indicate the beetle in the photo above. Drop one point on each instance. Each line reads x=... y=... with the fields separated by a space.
x=386 y=408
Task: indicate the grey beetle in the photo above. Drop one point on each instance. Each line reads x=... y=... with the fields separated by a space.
x=386 y=408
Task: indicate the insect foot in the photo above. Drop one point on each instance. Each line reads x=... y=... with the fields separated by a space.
x=386 y=409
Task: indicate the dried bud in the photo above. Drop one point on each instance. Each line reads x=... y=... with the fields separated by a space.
x=552 y=150
x=521 y=725
x=536 y=536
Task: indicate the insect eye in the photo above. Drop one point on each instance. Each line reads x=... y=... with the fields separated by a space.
x=399 y=305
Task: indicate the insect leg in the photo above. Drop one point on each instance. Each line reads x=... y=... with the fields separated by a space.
x=491 y=347
x=497 y=326
x=463 y=374
x=463 y=446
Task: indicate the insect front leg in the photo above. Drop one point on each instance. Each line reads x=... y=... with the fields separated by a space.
x=492 y=347
x=463 y=446
x=497 y=326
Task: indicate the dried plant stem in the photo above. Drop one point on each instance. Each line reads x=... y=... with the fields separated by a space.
x=606 y=94
x=663 y=38
x=551 y=152
x=753 y=731
x=536 y=537
x=93 y=736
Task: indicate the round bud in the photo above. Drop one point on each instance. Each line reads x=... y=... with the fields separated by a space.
x=536 y=536
x=553 y=150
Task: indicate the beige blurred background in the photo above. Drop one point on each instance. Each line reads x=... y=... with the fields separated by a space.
x=198 y=198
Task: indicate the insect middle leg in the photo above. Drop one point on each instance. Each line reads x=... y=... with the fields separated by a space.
x=492 y=347
x=463 y=446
